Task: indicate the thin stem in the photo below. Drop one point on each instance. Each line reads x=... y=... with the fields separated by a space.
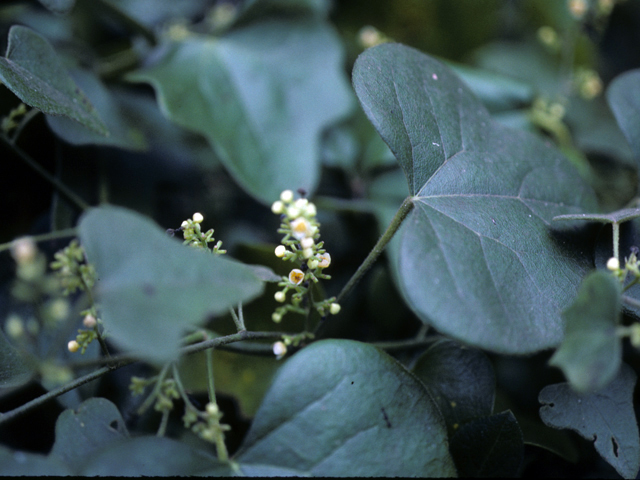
x=238 y=319
x=156 y=390
x=61 y=187
x=379 y=247
x=631 y=301
x=7 y=416
x=24 y=122
x=210 y=384
x=67 y=232
x=616 y=240
x=162 y=429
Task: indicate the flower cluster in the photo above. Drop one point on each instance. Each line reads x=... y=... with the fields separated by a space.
x=301 y=246
x=195 y=237
x=631 y=267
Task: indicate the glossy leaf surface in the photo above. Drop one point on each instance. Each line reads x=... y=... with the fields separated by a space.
x=591 y=352
x=34 y=73
x=606 y=417
x=477 y=260
x=151 y=288
x=261 y=113
x=343 y=408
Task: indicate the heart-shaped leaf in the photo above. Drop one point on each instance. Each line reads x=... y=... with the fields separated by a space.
x=262 y=113
x=623 y=95
x=89 y=428
x=606 y=417
x=591 y=352
x=34 y=73
x=151 y=288
x=477 y=258
x=344 y=408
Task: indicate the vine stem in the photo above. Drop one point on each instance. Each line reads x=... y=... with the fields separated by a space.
x=379 y=247
x=118 y=362
x=616 y=240
x=61 y=187
x=68 y=232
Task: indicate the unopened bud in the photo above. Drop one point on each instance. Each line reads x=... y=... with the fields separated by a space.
x=613 y=264
x=73 y=346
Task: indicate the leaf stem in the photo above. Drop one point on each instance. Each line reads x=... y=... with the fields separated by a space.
x=631 y=301
x=379 y=247
x=616 y=240
x=67 y=232
x=61 y=187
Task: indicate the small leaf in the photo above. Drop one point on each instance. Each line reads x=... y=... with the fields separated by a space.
x=343 y=408
x=153 y=456
x=489 y=447
x=460 y=380
x=477 y=259
x=82 y=432
x=33 y=72
x=15 y=368
x=151 y=288
x=261 y=112
x=623 y=96
x=606 y=417
x=591 y=352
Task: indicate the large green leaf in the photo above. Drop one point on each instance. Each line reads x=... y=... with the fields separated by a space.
x=86 y=430
x=153 y=456
x=261 y=95
x=591 y=352
x=460 y=379
x=623 y=95
x=343 y=408
x=151 y=288
x=34 y=73
x=18 y=463
x=15 y=368
x=477 y=258
x=606 y=417
x=59 y=6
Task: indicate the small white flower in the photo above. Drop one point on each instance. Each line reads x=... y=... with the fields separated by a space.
x=307 y=242
x=296 y=276
x=293 y=212
x=301 y=228
x=280 y=297
x=301 y=203
x=279 y=350
x=277 y=207
x=280 y=251
x=286 y=196
x=334 y=308
x=613 y=264
x=325 y=260
x=197 y=217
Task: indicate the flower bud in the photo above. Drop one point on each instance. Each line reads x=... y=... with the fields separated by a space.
x=334 y=308
x=301 y=203
x=310 y=210
x=307 y=242
x=277 y=207
x=296 y=276
x=184 y=224
x=197 y=217
x=276 y=317
x=23 y=250
x=280 y=296
x=613 y=264
x=286 y=196
x=280 y=251
x=89 y=321
x=307 y=252
x=212 y=409
x=73 y=346
x=279 y=350
x=312 y=263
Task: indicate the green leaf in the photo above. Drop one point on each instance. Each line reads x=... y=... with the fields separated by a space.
x=153 y=456
x=477 y=259
x=489 y=447
x=259 y=9
x=606 y=417
x=17 y=463
x=261 y=95
x=33 y=72
x=619 y=216
x=124 y=133
x=623 y=96
x=591 y=352
x=460 y=380
x=344 y=408
x=15 y=369
x=82 y=432
x=58 y=6
x=151 y=288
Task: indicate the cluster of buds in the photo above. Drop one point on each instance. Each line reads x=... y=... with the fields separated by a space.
x=195 y=237
x=632 y=267
x=300 y=246
x=85 y=337
x=72 y=270
x=206 y=424
x=280 y=347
